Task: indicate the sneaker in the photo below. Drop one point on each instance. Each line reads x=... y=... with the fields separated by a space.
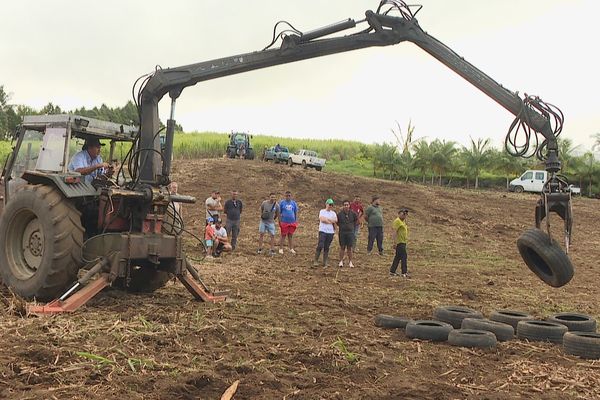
x=272 y=253
x=393 y=274
x=341 y=264
x=259 y=251
x=369 y=253
x=351 y=265
x=292 y=251
x=280 y=251
x=406 y=275
x=381 y=253
x=315 y=264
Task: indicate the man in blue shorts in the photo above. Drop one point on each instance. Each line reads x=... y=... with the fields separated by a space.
x=269 y=212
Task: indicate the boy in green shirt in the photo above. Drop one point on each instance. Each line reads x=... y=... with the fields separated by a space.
x=401 y=233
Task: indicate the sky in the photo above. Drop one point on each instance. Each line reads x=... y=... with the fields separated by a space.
x=84 y=53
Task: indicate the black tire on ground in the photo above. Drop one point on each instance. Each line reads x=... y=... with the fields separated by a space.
x=472 y=338
x=519 y=189
x=390 y=321
x=435 y=331
x=41 y=237
x=510 y=317
x=144 y=279
x=574 y=321
x=541 y=331
x=319 y=168
x=545 y=258
x=502 y=331
x=250 y=155
x=304 y=164
x=454 y=315
x=582 y=344
x=290 y=162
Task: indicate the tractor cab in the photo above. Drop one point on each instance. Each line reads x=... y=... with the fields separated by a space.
x=45 y=144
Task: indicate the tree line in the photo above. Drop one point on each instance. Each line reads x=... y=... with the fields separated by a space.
x=12 y=114
x=433 y=162
x=439 y=162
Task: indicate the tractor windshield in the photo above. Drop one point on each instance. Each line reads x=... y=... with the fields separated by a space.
x=27 y=156
x=239 y=139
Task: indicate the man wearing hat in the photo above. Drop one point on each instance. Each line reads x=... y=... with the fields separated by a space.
x=401 y=237
x=88 y=162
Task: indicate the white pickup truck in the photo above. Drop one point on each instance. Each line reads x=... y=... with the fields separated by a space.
x=306 y=158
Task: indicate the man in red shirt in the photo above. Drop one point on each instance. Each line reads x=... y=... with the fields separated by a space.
x=357 y=207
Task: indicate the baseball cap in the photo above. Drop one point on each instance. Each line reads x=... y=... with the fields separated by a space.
x=210 y=219
x=403 y=210
x=329 y=201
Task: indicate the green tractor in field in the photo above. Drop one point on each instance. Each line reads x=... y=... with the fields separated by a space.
x=239 y=146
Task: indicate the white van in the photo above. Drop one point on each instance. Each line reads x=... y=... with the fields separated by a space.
x=531 y=181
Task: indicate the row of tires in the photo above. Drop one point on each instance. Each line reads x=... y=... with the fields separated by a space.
x=465 y=327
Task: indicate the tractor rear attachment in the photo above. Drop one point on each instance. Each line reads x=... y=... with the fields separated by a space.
x=133 y=263
x=540 y=251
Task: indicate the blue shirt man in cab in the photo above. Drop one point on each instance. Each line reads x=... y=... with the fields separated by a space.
x=88 y=162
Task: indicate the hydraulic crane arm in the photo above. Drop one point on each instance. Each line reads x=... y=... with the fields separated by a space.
x=532 y=116
x=384 y=30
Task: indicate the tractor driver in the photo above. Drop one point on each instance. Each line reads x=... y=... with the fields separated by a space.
x=88 y=161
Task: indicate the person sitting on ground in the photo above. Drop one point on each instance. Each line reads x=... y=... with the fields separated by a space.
x=88 y=162
x=209 y=237
x=221 y=242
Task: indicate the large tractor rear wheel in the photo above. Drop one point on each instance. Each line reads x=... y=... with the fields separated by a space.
x=41 y=236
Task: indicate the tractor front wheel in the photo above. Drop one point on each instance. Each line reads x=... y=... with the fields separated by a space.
x=41 y=236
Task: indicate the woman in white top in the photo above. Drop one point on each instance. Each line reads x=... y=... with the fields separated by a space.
x=327 y=221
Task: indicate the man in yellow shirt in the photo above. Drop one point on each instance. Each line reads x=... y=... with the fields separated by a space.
x=401 y=233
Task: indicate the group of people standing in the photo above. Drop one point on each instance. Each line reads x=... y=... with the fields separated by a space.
x=348 y=220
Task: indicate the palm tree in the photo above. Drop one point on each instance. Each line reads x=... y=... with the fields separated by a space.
x=422 y=158
x=565 y=151
x=507 y=164
x=385 y=158
x=477 y=157
x=405 y=160
x=443 y=157
x=587 y=168
x=596 y=137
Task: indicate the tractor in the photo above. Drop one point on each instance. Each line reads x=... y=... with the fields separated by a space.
x=66 y=234
x=239 y=146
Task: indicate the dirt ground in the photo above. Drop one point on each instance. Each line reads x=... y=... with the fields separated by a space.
x=291 y=331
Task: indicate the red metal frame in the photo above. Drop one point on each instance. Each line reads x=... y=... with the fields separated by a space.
x=198 y=291
x=75 y=301
x=82 y=296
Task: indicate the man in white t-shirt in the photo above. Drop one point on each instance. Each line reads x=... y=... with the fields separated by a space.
x=327 y=221
x=221 y=241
